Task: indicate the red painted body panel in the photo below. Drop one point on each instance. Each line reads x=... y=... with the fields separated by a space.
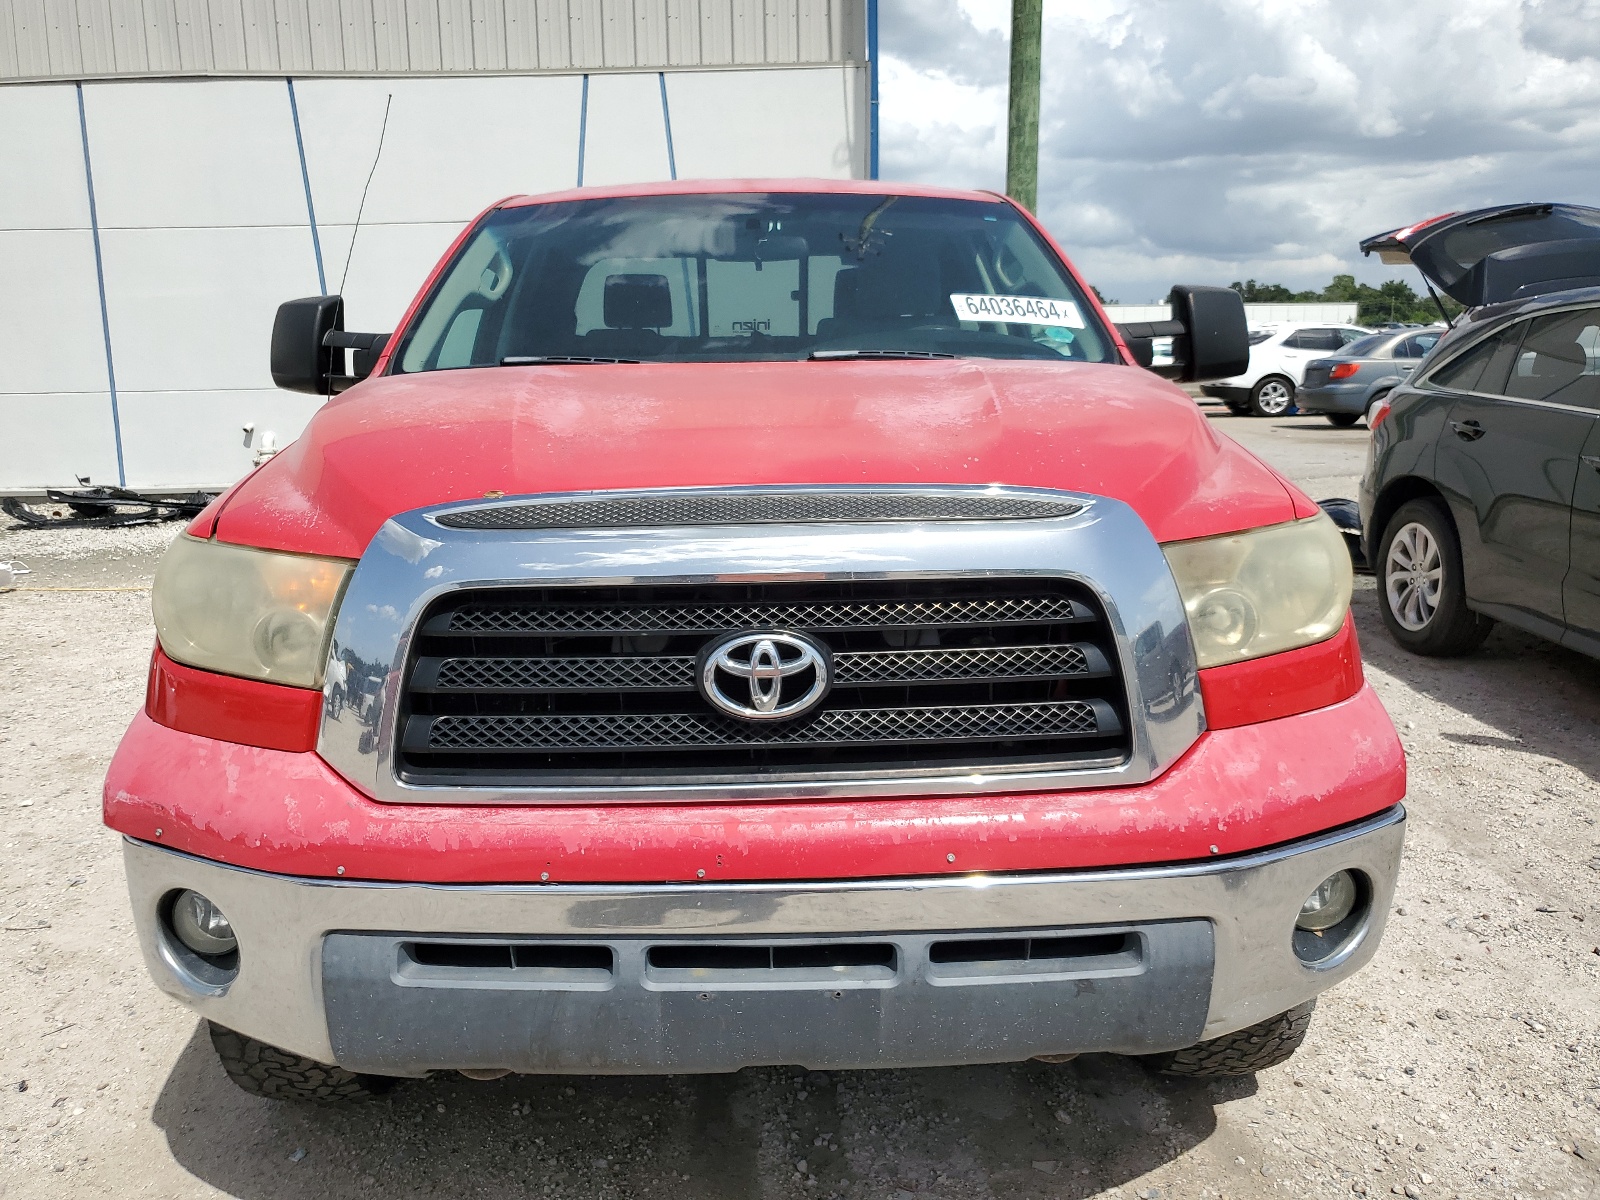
x=1264 y=689
x=395 y=443
x=1237 y=789
x=231 y=709
x=405 y=441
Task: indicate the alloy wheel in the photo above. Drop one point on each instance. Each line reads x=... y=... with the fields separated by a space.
x=1274 y=398
x=1413 y=576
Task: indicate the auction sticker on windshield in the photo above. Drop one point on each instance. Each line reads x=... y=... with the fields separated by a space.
x=1016 y=310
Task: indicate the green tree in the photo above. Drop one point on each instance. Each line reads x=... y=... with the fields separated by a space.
x=1394 y=300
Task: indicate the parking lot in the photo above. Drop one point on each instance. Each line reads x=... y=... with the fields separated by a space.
x=1464 y=1061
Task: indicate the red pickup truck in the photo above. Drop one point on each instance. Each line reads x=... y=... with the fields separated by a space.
x=762 y=622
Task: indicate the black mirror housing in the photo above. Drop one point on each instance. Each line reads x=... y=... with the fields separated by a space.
x=1210 y=336
x=309 y=344
x=302 y=361
x=1219 y=335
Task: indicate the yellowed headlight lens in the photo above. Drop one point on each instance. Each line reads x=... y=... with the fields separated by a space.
x=255 y=613
x=1263 y=591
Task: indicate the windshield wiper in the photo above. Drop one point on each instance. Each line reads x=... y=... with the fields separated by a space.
x=827 y=355
x=558 y=360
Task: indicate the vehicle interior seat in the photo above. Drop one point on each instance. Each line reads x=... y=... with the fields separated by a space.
x=635 y=309
x=886 y=292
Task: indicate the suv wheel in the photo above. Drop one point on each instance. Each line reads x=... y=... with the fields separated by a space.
x=264 y=1070
x=1272 y=397
x=1422 y=588
x=1342 y=420
x=1243 y=1052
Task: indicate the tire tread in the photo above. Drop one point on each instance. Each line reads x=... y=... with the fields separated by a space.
x=264 y=1070
x=1243 y=1052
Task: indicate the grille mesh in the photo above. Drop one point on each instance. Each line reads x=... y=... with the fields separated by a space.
x=676 y=673
x=1002 y=610
x=646 y=731
x=563 y=674
x=1012 y=662
x=759 y=508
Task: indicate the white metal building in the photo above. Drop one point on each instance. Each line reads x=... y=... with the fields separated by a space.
x=1256 y=314
x=171 y=170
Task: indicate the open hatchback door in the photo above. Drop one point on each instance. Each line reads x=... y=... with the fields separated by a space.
x=1492 y=255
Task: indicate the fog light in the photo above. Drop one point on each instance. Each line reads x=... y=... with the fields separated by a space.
x=201 y=926
x=1329 y=904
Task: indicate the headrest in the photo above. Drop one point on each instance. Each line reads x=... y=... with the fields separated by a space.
x=903 y=286
x=638 y=302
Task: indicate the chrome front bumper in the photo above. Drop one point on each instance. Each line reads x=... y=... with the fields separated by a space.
x=1219 y=932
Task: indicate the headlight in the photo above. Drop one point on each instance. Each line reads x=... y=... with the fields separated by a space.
x=1264 y=590
x=255 y=613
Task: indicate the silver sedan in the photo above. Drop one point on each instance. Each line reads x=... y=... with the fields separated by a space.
x=1344 y=388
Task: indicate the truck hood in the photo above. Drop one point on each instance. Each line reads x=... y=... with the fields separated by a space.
x=402 y=442
x=1492 y=255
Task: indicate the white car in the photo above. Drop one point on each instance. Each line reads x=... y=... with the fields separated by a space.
x=1278 y=358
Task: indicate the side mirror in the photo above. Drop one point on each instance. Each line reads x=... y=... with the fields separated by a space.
x=1210 y=337
x=302 y=361
x=308 y=345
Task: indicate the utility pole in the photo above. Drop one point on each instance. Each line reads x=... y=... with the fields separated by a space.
x=1022 y=136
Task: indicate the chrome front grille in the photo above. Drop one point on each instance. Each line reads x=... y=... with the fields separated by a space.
x=593 y=686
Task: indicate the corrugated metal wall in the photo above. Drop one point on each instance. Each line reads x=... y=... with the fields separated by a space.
x=91 y=39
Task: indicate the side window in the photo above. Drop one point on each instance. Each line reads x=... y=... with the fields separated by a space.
x=750 y=298
x=1559 y=360
x=1484 y=367
x=459 y=340
x=1416 y=345
x=1346 y=336
x=1316 y=339
x=448 y=334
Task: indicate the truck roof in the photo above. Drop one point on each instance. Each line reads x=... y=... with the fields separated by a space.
x=690 y=187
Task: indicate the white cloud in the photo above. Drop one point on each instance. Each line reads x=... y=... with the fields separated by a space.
x=1212 y=140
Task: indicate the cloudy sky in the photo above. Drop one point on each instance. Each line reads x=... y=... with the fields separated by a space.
x=1203 y=141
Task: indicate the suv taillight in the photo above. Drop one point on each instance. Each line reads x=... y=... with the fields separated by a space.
x=1344 y=370
x=1377 y=413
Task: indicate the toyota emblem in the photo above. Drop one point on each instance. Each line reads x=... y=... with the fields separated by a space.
x=764 y=676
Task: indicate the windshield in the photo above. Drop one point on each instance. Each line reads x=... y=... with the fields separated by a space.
x=752 y=277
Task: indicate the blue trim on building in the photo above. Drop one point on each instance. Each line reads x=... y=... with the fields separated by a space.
x=666 y=120
x=305 y=178
x=583 y=126
x=100 y=282
x=872 y=89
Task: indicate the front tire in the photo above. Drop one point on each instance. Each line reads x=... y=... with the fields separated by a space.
x=1421 y=584
x=264 y=1070
x=1243 y=1052
x=1272 y=396
x=1342 y=420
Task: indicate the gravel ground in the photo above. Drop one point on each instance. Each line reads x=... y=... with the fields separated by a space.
x=1464 y=1061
